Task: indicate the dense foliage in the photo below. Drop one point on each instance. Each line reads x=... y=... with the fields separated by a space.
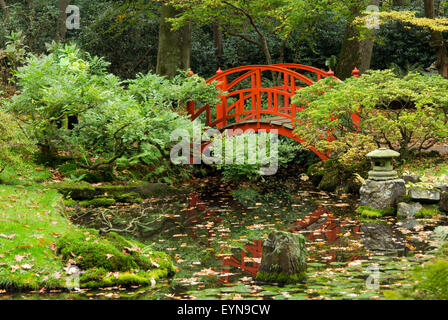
x=111 y=125
x=253 y=155
x=407 y=114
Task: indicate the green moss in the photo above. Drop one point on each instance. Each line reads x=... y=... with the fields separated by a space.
x=112 y=260
x=330 y=180
x=281 y=278
x=132 y=193
x=428 y=211
x=68 y=168
x=369 y=212
x=316 y=173
x=88 y=250
x=96 y=278
x=131 y=197
x=70 y=203
x=98 y=202
x=76 y=190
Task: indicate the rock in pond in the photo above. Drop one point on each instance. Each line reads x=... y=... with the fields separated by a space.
x=382 y=194
x=283 y=259
x=413 y=178
x=408 y=209
x=442 y=186
x=424 y=195
x=381 y=237
x=443 y=204
x=409 y=224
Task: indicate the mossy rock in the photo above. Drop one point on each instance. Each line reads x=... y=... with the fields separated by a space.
x=281 y=278
x=131 y=197
x=98 y=202
x=97 y=278
x=330 y=180
x=97 y=256
x=283 y=259
x=131 y=192
x=369 y=212
x=316 y=173
x=77 y=190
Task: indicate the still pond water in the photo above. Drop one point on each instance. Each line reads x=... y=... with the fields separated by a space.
x=216 y=243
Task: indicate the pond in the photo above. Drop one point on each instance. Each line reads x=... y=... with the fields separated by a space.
x=216 y=243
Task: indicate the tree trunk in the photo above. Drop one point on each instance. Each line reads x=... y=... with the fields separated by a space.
x=398 y=3
x=174 y=46
x=217 y=37
x=355 y=53
x=62 y=28
x=437 y=41
x=4 y=8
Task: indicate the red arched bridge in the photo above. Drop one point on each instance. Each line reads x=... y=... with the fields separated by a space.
x=251 y=104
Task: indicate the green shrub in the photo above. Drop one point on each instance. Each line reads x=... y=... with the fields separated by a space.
x=117 y=127
x=243 y=167
x=407 y=114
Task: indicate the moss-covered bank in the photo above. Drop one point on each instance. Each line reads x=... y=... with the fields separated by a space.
x=112 y=260
x=37 y=242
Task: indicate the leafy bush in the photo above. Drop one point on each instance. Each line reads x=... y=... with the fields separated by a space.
x=114 y=126
x=407 y=114
x=250 y=160
x=12 y=56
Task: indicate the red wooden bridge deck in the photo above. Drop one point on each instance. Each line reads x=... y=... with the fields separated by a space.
x=249 y=104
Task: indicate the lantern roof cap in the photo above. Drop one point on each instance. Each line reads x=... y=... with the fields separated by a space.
x=383 y=153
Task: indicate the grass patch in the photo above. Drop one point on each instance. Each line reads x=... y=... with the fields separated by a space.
x=30 y=224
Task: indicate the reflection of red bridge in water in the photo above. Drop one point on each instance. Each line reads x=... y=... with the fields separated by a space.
x=320 y=224
x=250 y=105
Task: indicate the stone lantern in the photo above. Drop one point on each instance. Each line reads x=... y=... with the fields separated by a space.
x=383 y=189
x=381 y=160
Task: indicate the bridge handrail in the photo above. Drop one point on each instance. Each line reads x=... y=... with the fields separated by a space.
x=279 y=68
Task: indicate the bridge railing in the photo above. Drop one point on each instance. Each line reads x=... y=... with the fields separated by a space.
x=251 y=103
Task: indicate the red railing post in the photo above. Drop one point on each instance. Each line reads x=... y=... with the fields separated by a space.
x=356 y=118
x=221 y=109
x=190 y=108
x=258 y=96
x=190 y=104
